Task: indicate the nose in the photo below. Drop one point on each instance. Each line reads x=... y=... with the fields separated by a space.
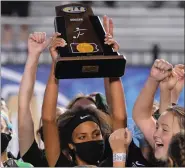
x=90 y=138
x=156 y=134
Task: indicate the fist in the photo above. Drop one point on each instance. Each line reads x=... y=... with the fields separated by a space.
x=169 y=82
x=160 y=70
x=56 y=41
x=120 y=140
x=179 y=70
x=37 y=42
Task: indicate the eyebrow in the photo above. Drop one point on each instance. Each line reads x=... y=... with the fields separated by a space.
x=83 y=133
x=96 y=130
x=78 y=134
x=165 y=125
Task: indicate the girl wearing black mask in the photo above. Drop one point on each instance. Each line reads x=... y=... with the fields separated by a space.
x=81 y=132
x=6 y=136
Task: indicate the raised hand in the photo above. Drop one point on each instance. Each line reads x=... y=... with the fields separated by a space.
x=37 y=42
x=161 y=69
x=120 y=140
x=169 y=82
x=179 y=70
x=110 y=41
x=109 y=27
x=56 y=42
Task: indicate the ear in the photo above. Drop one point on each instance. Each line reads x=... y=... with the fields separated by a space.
x=71 y=146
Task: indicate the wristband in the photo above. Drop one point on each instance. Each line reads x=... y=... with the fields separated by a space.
x=119 y=157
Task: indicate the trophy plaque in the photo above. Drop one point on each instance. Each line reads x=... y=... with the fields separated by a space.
x=85 y=55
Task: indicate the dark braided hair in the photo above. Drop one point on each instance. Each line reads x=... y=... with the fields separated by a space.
x=177 y=150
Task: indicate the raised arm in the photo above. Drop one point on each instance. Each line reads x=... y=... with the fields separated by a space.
x=36 y=44
x=142 y=111
x=113 y=86
x=176 y=91
x=50 y=130
x=118 y=105
x=166 y=87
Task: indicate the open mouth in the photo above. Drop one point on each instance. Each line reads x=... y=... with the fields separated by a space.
x=158 y=145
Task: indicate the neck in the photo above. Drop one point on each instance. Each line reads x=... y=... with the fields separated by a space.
x=4 y=157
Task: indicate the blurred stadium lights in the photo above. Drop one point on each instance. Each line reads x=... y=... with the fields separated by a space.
x=138 y=31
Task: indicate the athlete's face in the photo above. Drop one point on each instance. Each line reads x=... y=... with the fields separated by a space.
x=166 y=127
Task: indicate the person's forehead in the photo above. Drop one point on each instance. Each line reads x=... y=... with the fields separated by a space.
x=86 y=127
x=168 y=118
x=83 y=101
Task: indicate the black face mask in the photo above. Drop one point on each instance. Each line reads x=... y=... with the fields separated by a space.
x=90 y=152
x=5 y=139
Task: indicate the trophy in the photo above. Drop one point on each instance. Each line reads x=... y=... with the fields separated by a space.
x=85 y=55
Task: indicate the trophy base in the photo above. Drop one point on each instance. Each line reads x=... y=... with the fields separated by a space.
x=90 y=67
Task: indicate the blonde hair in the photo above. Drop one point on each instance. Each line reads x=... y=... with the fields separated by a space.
x=178 y=112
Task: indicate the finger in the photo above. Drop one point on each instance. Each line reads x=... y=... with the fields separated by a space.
x=108 y=35
x=169 y=67
x=53 y=46
x=108 y=38
x=43 y=37
x=31 y=36
x=160 y=65
x=129 y=136
x=111 y=27
x=105 y=24
x=48 y=42
x=122 y=132
x=156 y=63
x=179 y=72
x=111 y=41
x=55 y=35
x=58 y=40
x=181 y=66
x=164 y=67
x=116 y=47
x=59 y=45
x=36 y=35
x=40 y=37
x=174 y=75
